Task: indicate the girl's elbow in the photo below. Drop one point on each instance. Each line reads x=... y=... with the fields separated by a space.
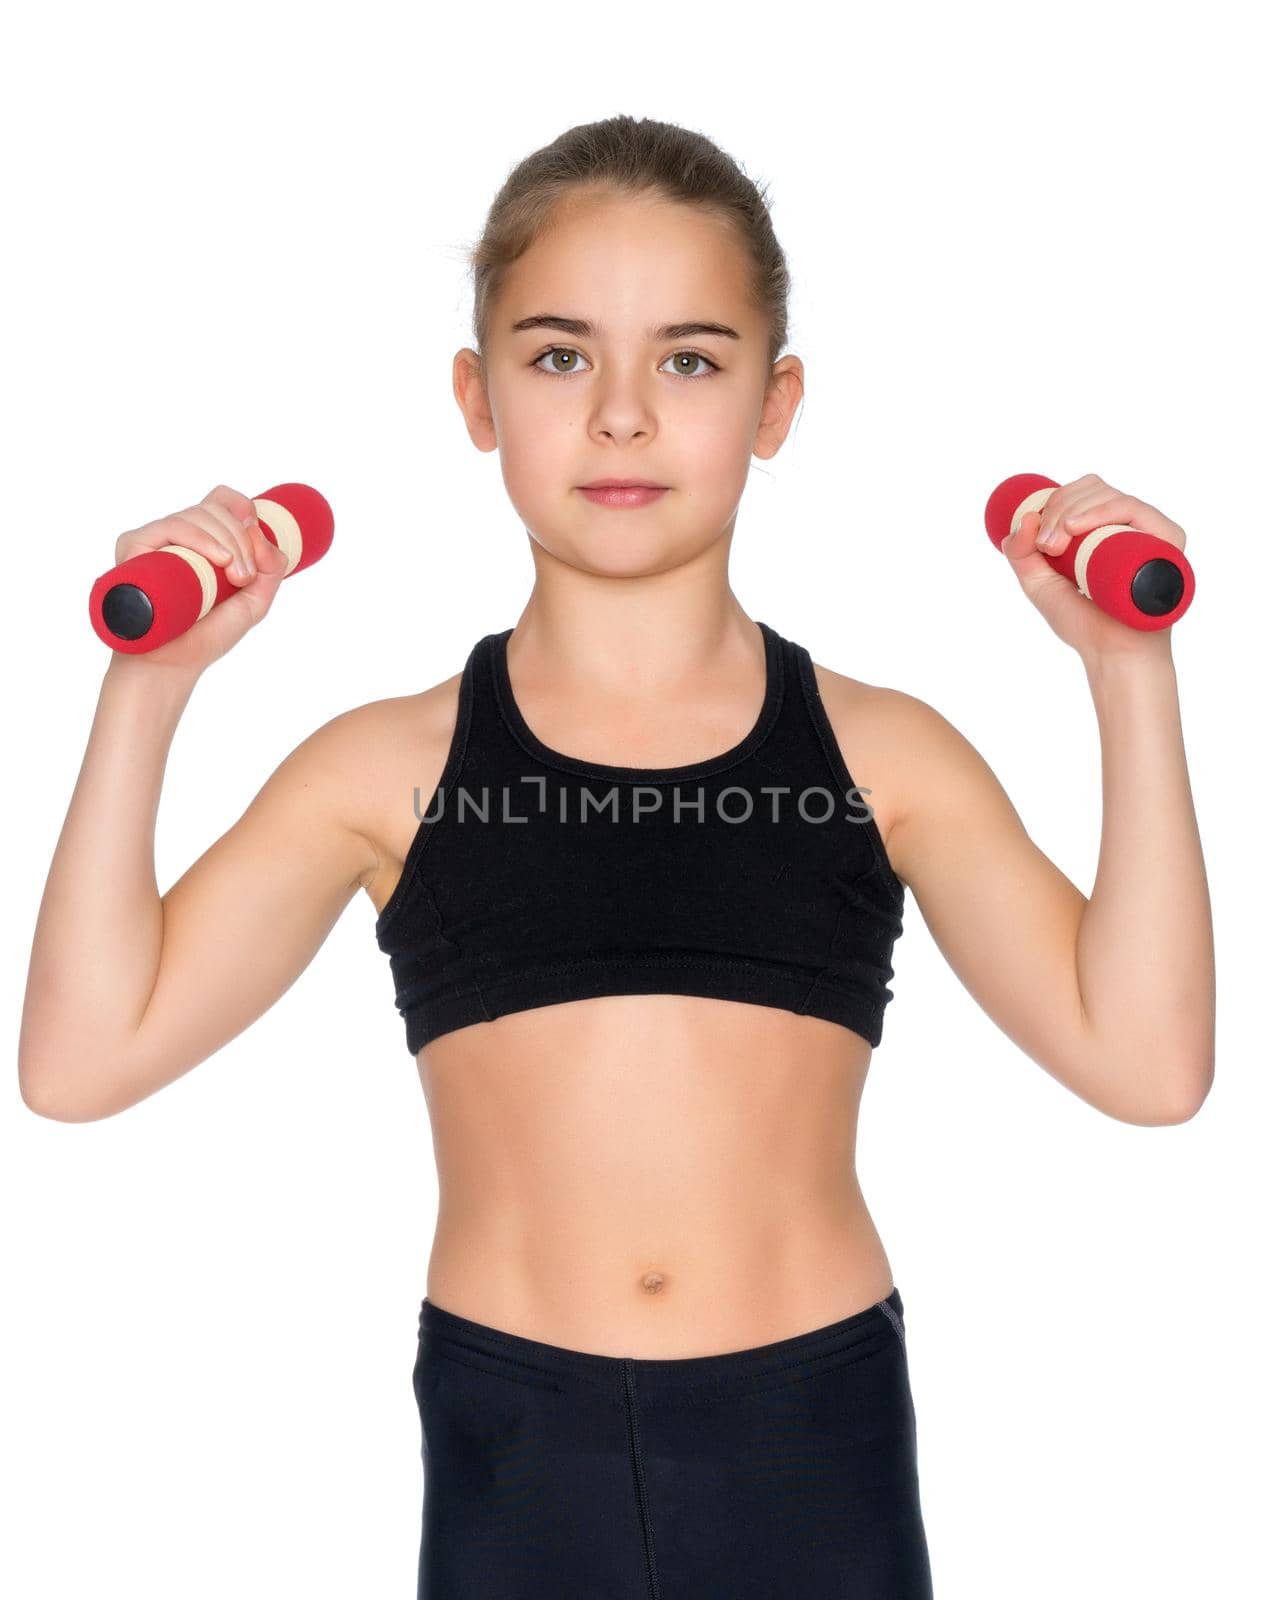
x=1179 y=1100
x=86 y=1091
x=1185 y=1106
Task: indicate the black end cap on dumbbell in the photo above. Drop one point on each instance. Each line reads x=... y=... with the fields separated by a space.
x=127 y=611
x=1157 y=587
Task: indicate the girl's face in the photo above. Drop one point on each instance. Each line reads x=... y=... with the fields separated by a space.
x=616 y=396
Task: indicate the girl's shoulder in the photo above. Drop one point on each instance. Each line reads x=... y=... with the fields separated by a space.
x=884 y=735
x=396 y=750
x=934 y=790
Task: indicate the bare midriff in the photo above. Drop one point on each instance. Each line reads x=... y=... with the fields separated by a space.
x=655 y=1176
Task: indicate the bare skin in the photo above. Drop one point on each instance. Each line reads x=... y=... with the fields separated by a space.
x=653 y=1175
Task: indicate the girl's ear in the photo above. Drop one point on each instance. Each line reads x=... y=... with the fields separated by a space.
x=782 y=396
x=472 y=395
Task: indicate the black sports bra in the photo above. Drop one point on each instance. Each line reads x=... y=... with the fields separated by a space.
x=759 y=875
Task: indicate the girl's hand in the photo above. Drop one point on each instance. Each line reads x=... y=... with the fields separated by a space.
x=224 y=529
x=1071 y=510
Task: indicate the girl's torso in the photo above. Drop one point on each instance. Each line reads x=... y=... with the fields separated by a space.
x=649 y=1174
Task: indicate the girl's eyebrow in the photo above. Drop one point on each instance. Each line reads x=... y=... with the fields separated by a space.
x=589 y=330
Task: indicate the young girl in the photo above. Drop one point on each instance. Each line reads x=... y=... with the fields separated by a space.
x=641 y=933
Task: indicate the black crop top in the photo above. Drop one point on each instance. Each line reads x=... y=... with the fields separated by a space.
x=758 y=875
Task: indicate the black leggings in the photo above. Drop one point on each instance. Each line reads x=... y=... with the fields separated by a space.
x=783 y=1472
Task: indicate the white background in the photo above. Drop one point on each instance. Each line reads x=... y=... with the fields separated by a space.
x=1022 y=238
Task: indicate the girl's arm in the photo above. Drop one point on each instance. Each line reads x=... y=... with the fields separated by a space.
x=128 y=989
x=1114 y=994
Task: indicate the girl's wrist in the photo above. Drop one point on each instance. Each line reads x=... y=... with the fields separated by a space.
x=1123 y=672
x=129 y=675
x=1150 y=653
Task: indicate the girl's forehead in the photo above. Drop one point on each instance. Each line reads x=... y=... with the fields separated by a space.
x=629 y=273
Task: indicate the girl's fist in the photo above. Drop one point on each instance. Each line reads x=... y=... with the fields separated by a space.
x=223 y=528
x=1072 y=510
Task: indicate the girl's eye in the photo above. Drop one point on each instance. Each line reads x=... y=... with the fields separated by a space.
x=693 y=355
x=562 y=350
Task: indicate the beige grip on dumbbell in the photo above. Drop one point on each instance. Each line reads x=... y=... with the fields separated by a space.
x=204 y=571
x=288 y=538
x=1035 y=502
x=284 y=525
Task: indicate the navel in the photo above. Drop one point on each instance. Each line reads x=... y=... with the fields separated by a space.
x=653 y=1282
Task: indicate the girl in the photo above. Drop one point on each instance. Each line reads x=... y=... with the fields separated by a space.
x=642 y=933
